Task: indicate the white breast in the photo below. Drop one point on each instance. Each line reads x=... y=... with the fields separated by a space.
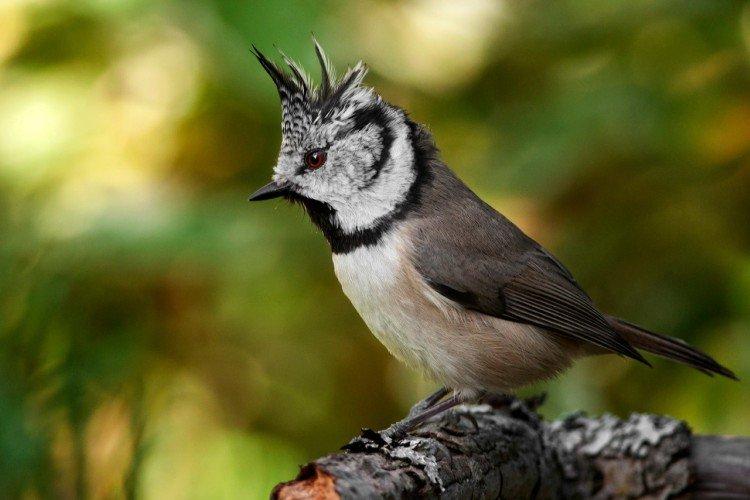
x=453 y=346
x=376 y=280
x=370 y=276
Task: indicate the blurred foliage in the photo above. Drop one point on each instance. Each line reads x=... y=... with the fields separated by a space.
x=160 y=338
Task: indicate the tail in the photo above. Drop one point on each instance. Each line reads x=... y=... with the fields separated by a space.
x=668 y=347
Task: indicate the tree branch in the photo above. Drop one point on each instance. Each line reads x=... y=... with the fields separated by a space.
x=507 y=451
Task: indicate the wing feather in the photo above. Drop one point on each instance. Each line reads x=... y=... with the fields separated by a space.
x=485 y=263
x=551 y=301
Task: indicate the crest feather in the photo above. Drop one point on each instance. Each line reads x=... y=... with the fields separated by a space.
x=327 y=71
x=299 y=94
x=303 y=79
x=284 y=84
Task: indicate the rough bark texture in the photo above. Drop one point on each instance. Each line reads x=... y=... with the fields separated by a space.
x=479 y=451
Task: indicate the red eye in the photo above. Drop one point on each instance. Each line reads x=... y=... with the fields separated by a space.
x=315 y=159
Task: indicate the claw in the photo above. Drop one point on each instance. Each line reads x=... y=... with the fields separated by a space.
x=368 y=440
x=523 y=409
x=375 y=436
x=394 y=434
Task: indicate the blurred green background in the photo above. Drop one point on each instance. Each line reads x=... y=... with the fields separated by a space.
x=161 y=338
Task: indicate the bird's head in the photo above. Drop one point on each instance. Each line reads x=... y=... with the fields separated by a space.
x=346 y=154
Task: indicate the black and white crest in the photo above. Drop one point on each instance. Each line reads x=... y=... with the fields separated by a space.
x=303 y=103
x=348 y=156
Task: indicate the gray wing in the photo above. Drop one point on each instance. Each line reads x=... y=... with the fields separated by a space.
x=485 y=263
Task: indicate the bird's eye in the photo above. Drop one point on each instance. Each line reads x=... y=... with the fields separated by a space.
x=315 y=159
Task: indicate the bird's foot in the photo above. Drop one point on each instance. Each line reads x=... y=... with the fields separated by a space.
x=524 y=409
x=369 y=439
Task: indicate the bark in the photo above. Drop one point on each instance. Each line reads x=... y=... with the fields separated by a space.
x=506 y=451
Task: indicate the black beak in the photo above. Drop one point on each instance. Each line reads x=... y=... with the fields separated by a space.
x=269 y=191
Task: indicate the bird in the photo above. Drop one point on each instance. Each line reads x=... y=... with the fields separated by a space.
x=448 y=284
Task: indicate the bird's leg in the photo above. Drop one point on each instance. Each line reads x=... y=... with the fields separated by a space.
x=416 y=415
x=398 y=430
x=421 y=412
x=427 y=402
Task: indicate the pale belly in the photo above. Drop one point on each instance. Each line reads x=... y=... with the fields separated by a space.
x=373 y=280
x=458 y=348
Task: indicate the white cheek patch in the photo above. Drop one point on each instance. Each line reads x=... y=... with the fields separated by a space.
x=349 y=181
x=355 y=156
x=363 y=207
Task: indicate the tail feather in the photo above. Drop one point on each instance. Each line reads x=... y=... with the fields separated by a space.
x=669 y=347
